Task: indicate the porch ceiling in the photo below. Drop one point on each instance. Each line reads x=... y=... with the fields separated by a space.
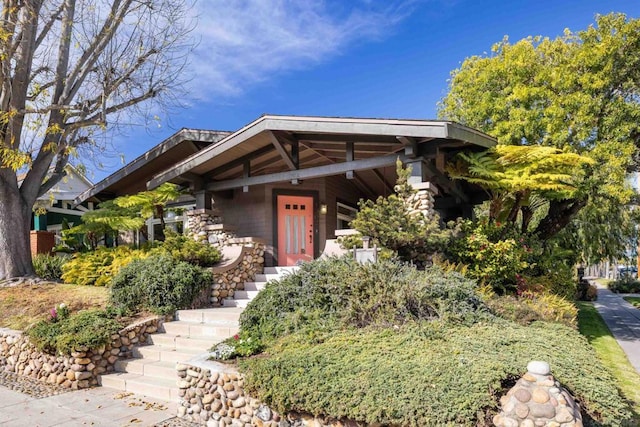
x=271 y=146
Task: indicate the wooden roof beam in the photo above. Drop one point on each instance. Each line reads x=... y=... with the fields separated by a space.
x=410 y=146
x=280 y=148
x=308 y=173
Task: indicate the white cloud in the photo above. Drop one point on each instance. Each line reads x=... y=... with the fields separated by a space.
x=243 y=42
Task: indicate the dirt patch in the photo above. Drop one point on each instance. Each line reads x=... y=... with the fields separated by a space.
x=22 y=305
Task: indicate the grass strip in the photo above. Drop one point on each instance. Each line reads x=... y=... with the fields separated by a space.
x=635 y=301
x=592 y=326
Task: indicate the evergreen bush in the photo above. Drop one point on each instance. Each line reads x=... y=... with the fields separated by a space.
x=158 y=283
x=89 y=328
x=339 y=291
x=429 y=373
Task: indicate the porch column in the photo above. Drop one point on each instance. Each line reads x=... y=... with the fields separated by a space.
x=205 y=222
x=418 y=171
x=40 y=222
x=422 y=201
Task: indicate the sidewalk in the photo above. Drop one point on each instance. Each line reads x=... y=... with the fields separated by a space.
x=96 y=407
x=623 y=320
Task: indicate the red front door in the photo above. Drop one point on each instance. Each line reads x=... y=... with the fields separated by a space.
x=295 y=229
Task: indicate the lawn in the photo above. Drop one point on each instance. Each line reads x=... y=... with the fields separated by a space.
x=21 y=306
x=635 y=301
x=597 y=333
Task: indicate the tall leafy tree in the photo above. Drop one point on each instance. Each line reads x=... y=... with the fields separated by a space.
x=521 y=178
x=579 y=93
x=70 y=69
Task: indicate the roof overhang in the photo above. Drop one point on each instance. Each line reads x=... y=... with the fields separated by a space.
x=273 y=145
x=132 y=177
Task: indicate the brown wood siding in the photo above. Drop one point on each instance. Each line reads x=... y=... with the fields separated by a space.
x=339 y=188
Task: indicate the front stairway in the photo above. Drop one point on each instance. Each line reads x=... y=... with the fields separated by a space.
x=242 y=297
x=152 y=371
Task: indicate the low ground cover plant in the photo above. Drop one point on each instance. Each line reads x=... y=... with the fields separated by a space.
x=387 y=343
x=428 y=373
x=63 y=333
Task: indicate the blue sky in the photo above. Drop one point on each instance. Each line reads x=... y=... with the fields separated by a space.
x=363 y=58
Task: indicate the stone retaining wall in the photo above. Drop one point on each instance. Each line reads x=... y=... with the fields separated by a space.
x=213 y=394
x=248 y=261
x=206 y=225
x=81 y=368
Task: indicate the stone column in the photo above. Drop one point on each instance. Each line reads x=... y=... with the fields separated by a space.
x=422 y=201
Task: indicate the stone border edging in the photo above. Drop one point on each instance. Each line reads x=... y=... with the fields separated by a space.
x=81 y=368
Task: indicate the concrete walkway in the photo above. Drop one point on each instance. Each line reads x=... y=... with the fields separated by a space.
x=93 y=407
x=623 y=320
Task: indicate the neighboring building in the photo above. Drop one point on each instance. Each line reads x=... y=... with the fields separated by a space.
x=294 y=181
x=56 y=206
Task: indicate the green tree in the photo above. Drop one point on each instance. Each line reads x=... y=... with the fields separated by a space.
x=391 y=224
x=126 y=213
x=70 y=69
x=579 y=93
x=521 y=178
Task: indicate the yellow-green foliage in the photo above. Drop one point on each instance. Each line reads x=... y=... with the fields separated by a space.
x=531 y=307
x=98 y=267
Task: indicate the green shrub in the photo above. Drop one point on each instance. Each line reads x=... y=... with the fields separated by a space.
x=429 y=374
x=494 y=253
x=48 y=267
x=98 y=267
x=558 y=281
x=390 y=223
x=625 y=285
x=586 y=291
x=339 y=291
x=158 y=283
x=90 y=328
x=186 y=249
x=530 y=307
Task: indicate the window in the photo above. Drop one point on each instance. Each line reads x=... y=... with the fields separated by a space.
x=345 y=214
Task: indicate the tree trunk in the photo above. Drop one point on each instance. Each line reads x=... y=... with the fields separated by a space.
x=560 y=214
x=15 y=223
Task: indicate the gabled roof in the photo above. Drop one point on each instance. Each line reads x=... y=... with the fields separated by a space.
x=261 y=144
x=69 y=187
x=133 y=176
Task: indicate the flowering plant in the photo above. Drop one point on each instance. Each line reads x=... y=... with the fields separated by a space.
x=60 y=312
x=241 y=344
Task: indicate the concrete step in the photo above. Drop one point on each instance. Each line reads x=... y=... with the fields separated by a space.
x=201 y=330
x=268 y=277
x=149 y=368
x=245 y=294
x=253 y=286
x=218 y=315
x=239 y=303
x=178 y=342
x=280 y=269
x=164 y=354
x=158 y=388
